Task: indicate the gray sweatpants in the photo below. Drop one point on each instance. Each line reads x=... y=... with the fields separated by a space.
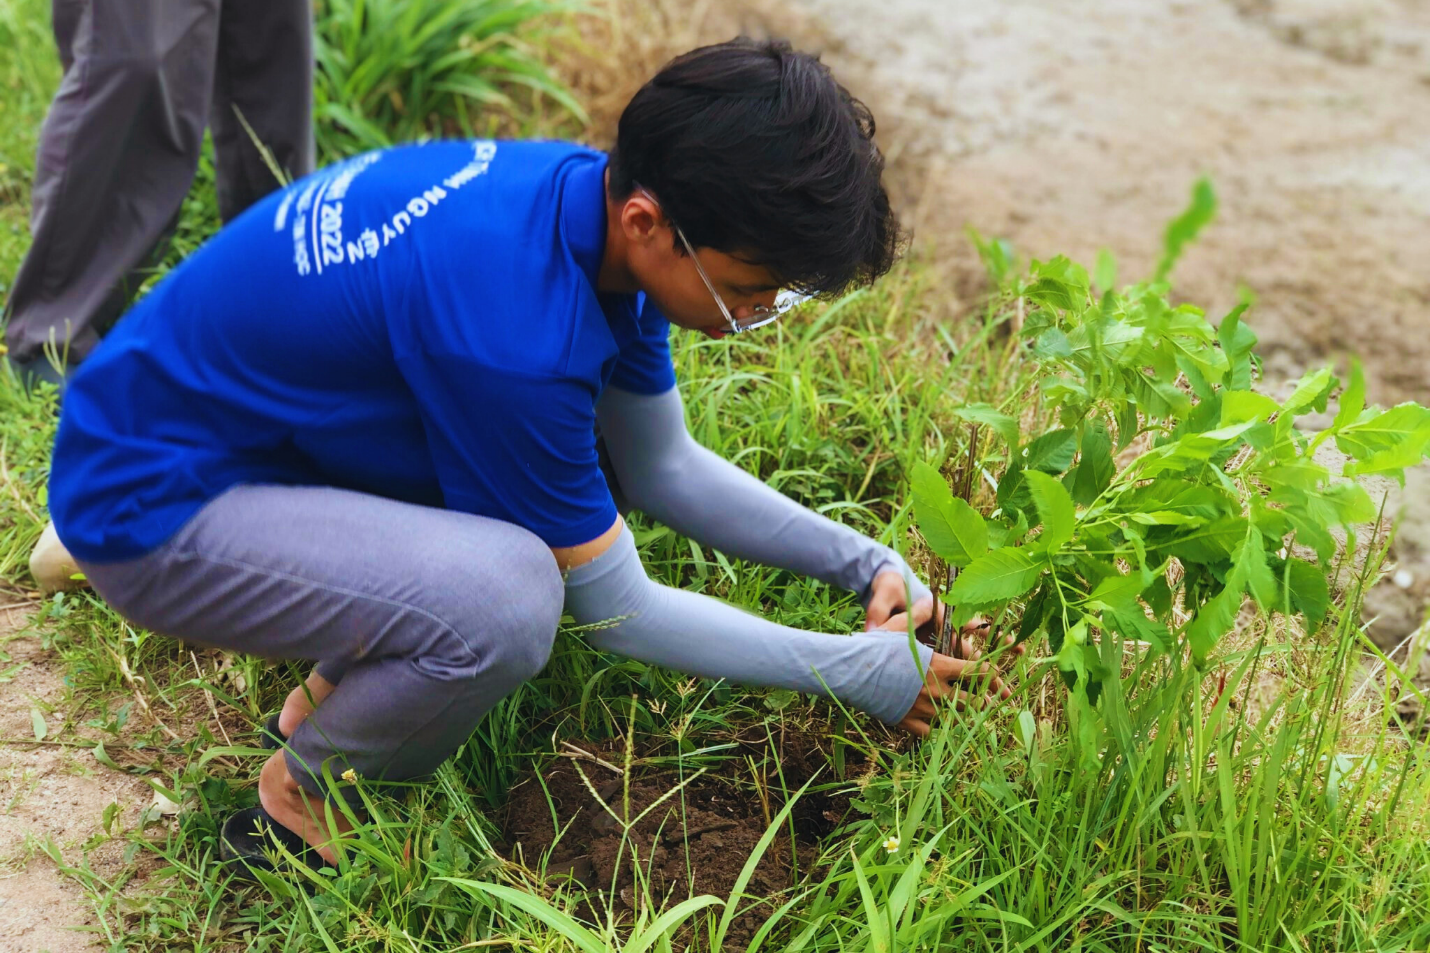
x=122 y=138
x=424 y=617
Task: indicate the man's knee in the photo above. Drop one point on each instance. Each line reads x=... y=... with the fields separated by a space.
x=512 y=595
x=530 y=619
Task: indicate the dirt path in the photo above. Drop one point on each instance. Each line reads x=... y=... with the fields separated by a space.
x=1067 y=127
x=49 y=792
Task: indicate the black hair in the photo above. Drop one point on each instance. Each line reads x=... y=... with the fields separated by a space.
x=753 y=149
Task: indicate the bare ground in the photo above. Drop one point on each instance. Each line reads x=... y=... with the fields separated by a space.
x=50 y=792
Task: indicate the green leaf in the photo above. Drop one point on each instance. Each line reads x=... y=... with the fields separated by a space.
x=996 y=577
x=1132 y=623
x=1250 y=572
x=954 y=530
x=1239 y=406
x=1012 y=495
x=1060 y=284
x=1096 y=469
x=1128 y=424
x=1180 y=496
x=1214 y=620
x=1311 y=531
x=997 y=255
x=1190 y=339
x=1052 y=345
x=1051 y=293
x=1157 y=399
x=1119 y=592
x=37 y=721
x=537 y=907
x=1052 y=453
x=1349 y=502
x=1163 y=518
x=780 y=699
x=1196 y=376
x=1070 y=653
x=1237 y=341
x=1187 y=226
x=1341 y=503
x=1086 y=728
x=1055 y=509
x=1105 y=341
x=1033 y=616
x=103 y=757
x=1353 y=399
x=1005 y=426
x=666 y=923
x=1192 y=448
x=1105 y=271
x=1000 y=534
x=1212 y=543
x=1310 y=595
x=1300 y=473
x=1376 y=432
x=1393 y=461
x=878 y=923
x=1311 y=392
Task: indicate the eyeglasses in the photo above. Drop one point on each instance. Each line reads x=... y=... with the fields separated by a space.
x=760 y=315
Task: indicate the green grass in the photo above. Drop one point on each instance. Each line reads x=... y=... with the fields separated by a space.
x=1290 y=823
x=29 y=72
x=1246 y=806
x=394 y=71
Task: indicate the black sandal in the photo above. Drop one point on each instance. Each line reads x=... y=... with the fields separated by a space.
x=270 y=737
x=251 y=837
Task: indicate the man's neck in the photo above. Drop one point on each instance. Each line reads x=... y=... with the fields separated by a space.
x=614 y=276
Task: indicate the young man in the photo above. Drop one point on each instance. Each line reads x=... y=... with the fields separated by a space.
x=360 y=425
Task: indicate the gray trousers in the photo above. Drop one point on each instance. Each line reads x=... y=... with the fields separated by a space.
x=121 y=142
x=424 y=617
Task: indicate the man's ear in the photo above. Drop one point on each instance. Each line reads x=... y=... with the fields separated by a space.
x=641 y=218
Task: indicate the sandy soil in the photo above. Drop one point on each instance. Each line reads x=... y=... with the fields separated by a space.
x=50 y=792
x=1068 y=127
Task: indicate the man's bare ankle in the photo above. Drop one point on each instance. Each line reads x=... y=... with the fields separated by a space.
x=289 y=804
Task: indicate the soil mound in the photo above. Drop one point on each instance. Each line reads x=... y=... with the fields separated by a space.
x=682 y=841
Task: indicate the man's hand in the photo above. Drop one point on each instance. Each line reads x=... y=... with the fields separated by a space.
x=952 y=680
x=886 y=611
x=964 y=680
x=888 y=596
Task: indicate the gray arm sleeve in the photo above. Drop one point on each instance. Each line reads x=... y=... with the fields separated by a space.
x=662 y=471
x=874 y=672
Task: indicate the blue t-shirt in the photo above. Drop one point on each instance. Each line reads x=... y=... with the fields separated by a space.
x=420 y=323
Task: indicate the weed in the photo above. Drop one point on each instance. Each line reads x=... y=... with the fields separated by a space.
x=398 y=70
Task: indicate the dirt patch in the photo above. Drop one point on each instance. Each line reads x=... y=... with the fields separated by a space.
x=55 y=793
x=693 y=841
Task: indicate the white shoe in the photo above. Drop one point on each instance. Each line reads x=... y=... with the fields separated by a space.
x=52 y=565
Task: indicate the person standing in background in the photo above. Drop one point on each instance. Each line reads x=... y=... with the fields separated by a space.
x=121 y=142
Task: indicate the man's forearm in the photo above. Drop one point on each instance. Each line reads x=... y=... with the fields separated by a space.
x=666 y=474
x=875 y=672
